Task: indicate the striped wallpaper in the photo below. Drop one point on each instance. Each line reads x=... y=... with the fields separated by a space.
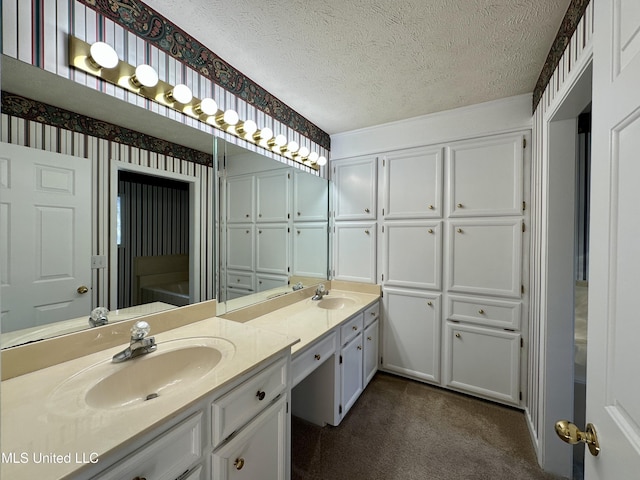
x=578 y=49
x=102 y=152
x=36 y=32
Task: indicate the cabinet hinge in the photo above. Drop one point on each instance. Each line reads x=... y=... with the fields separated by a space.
x=288 y=269
x=288 y=230
x=520 y=396
x=524 y=206
x=288 y=215
x=288 y=175
x=340 y=409
x=523 y=227
x=383 y=277
x=524 y=143
x=522 y=343
x=383 y=225
x=384 y=161
x=334 y=170
x=287 y=407
x=381 y=361
x=340 y=359
x=383 y=216
x=522 y=289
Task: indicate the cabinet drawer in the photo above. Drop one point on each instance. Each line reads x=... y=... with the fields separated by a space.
x=240 y=280
x=164 y=458
x=197 y=474
x=312 y=357
x=496 y=313
x=371 y=314
x=351 y=328
x=484 y=361
x=244 y=402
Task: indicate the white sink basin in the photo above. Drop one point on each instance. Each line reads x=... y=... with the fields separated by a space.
x=173 y=368
x=335 y=303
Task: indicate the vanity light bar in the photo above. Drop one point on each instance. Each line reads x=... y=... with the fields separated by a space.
x=143 y=80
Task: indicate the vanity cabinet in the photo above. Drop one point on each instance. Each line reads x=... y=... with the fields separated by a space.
x=239 y=432
x=355 y=251
x=371 y=339
x=352 y=370
x=310 y=247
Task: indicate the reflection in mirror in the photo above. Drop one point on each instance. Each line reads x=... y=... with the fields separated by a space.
x=59 y=269
x=273 y=228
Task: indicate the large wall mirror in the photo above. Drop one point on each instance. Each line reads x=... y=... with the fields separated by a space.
x=167 y=226
x=273 y=228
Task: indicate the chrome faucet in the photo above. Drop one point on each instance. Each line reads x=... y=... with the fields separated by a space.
x=98 y=317
x=140 y=344
x=320 y=292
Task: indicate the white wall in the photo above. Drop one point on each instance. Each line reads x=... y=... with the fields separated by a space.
x=499 y=116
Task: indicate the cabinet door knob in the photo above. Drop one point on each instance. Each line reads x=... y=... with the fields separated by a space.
x=260 y=215
x=260 y=395
x=430 y=303
x=140 y=478
x=367 y=210
x=247 y=231
x=354 y=328
x=367 y=232
x=247 y=215
x=481 y=312
x=459 y=205
x=369 y=338
x=299 y=214
x=430 y=230
x=316 y=356
x=359 y=347
x=239 y=463
x=459 y=230
x=458 y=335
x=430 y=207
x=259 y=231
x=298 y=232
x=373 y=314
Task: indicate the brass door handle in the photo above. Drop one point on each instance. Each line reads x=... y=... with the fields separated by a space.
x=239 y=463
x=82 y=290
x=570 y=433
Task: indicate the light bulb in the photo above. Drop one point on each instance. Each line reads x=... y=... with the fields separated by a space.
x=278 y=141
x=264 y=134
x=145 y=76
x=102 y=55
x=313 y=157
x=180 y=93
x=322 y=161
x=248 y=128
x=293 y=146
x=229 y=117
x=303 y=152
x=208 y=106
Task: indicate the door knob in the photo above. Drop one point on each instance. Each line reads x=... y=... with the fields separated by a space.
x=570 y=433
x=82 y=290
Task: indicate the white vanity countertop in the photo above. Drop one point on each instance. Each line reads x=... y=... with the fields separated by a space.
x=308 y=322
x=37 y=420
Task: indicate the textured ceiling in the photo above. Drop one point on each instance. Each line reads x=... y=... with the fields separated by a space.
x=349 y=64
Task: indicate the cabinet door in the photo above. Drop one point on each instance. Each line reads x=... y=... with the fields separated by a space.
x=240 y=199
x=355 y=251
x=411 y=334
x=413 y=184
x=310 y=249
x=259 y=450
x=272 y=248
x=273 y=196
x=355 y=182
x=370 y=352
x=351 y=368
x=240 y=247
x=485 y=176
x=310 y=198
x=412 y=254
x=483 y=361
x=486 y=256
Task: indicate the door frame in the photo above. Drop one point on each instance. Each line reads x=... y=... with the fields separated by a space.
x=194 y=226
x=556 y=274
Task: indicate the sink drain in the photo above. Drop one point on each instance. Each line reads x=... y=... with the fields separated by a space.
x=151 y=396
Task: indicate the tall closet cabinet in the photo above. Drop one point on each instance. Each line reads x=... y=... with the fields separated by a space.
x=443 y=229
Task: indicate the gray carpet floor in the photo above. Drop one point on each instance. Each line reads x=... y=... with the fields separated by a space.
x=406 y=430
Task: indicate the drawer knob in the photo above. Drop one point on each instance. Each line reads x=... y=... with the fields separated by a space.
x=316 y=356
x=458 y=335
x=359 y=347
x=481 y=312
x=354 y=328
x=239 y=463
x=373 y=314
x=260 y=396
x=369 y=338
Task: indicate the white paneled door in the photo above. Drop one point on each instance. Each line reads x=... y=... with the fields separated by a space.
x=613 y=389
x=45 y=219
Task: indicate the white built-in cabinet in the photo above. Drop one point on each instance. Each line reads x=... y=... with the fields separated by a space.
x=447 y=242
